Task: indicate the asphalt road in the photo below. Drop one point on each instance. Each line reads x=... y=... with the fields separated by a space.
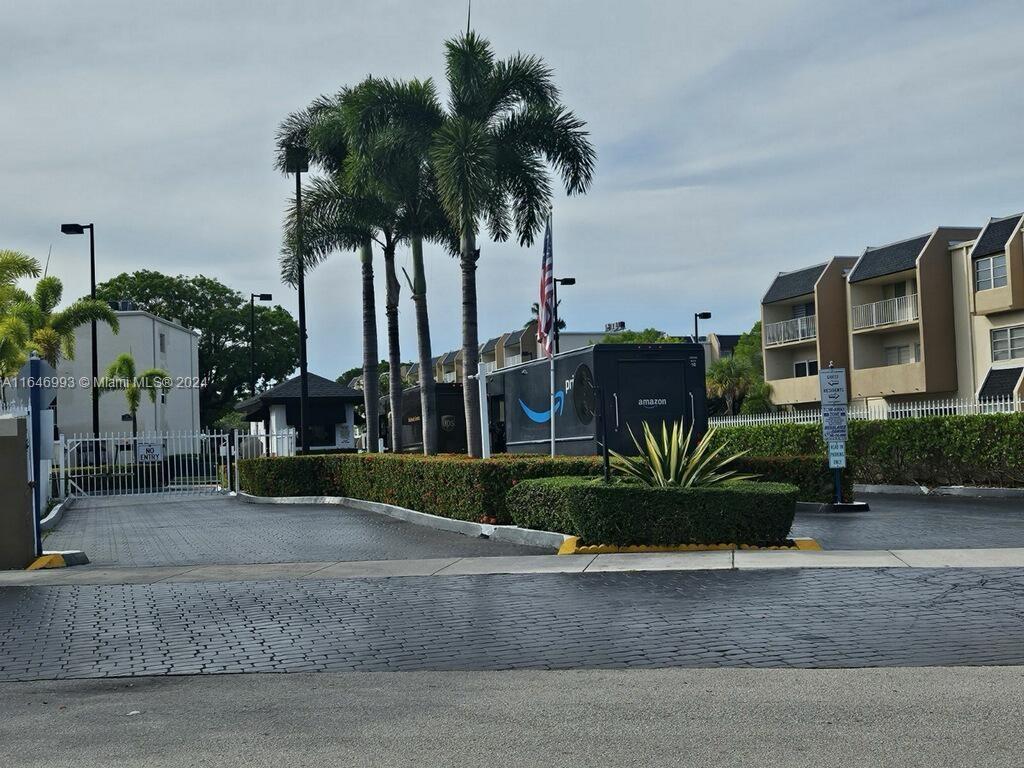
x=787 y=718
x=918 y=522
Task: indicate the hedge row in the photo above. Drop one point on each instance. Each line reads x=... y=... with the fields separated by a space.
x=625 y=513
x=983 y=450
x=451 y=486
x=809 y=473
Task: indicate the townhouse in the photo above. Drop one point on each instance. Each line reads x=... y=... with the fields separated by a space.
x=938 y=315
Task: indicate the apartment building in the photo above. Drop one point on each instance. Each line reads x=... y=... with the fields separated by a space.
x=804 y=326
x=937 y=315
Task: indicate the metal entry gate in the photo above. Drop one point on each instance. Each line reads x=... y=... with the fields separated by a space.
x=182 y=463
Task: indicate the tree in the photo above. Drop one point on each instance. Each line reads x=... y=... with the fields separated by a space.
x=503 y=127
x=343 y=211
x=758 y=398
x=535 y=315
x=646 y=336
x=729 y=378
x=14 y=332
x=52 y=330
x=221 y=317
x=392 y=124
x=123 y=376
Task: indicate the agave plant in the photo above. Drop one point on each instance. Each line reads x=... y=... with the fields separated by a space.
x=673 y=460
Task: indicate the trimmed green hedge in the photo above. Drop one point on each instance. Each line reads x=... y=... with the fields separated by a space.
x=627 y=513
x=983 y=450
x=808 y=473
x=451 y=486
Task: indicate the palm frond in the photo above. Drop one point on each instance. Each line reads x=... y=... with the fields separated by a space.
x=14 y=265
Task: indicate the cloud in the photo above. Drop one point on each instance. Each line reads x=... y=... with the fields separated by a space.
x=735 y=140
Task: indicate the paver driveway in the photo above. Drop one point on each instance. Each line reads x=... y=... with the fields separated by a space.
x=202 y=530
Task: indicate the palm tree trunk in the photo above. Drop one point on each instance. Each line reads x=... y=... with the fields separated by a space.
x=428 y=404
x=470 y=341
x=371 y=383
x=394 y=348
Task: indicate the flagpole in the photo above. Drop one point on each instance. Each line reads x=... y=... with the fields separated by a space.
x=551 y=353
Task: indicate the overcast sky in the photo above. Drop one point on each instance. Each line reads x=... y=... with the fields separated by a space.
x=734 y=140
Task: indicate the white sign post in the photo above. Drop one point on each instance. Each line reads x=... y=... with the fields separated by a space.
x=834 y=417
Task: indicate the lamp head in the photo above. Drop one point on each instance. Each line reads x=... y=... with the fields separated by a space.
x=704 y=315
x=296 y=160
x=72 y=229
x=567 y=280
x=265 y=296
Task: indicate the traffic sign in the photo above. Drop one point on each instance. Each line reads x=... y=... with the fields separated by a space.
x=836 y=454
x=832 y=386
x=833 y=422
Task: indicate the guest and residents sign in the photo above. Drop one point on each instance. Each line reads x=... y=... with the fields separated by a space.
x=834 y=416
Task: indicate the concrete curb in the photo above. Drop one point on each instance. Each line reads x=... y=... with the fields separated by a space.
x=966 y=491
x=510 y=533
x=50 y=521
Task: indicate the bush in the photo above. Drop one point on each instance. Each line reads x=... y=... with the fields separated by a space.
x=808 y=473
x=450 y=486
x=623 y=513
x=982 y=450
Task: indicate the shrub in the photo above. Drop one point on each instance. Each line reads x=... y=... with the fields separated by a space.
x=976 y=450
x=624 y=513
x=808 y=473
x=676 y=459
x=450 y=486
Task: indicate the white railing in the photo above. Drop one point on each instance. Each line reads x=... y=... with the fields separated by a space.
x=945 y=407
x=449 y=377
x=13 y=409
x=257 y=444
x=797 y=329
x=511 y=360
x=488 y=366
x=902 y=309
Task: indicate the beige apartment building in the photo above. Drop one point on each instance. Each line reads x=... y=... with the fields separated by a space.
x=804 y=326
x=938 y=315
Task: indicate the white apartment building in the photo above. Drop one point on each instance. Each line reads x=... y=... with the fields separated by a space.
x=154 y=343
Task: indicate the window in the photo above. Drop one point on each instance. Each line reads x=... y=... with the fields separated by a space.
x=803 y=310
x=900 y=355
x=163 y=344
x=1008 y=343
x=805 y=368
x=990 y=272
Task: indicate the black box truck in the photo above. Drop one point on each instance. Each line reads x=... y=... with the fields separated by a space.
x=451 y=419
x=637 y=382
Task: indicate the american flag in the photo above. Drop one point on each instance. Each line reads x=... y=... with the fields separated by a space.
x=546 y=313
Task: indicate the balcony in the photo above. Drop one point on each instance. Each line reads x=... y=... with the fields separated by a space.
x=488 y=366
x=902 y=309
x=788 y=331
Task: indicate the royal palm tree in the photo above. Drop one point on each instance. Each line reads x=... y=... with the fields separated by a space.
x=342 y=211
x=52 y=331
x=123 y=376
x=391 y=125
x=503 y=128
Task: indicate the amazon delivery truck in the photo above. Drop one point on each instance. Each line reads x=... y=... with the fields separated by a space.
x=628 y=383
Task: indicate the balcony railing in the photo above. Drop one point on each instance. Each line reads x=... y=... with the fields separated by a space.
x=902 y=309
x=797 y=329
x=488 y=366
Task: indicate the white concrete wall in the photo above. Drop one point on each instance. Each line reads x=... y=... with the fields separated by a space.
x=139 y=336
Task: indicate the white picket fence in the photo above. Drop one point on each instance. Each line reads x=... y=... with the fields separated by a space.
x=946 y=407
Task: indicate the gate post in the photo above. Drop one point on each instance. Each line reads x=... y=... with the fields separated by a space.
x=62 y=491
x=233 y=470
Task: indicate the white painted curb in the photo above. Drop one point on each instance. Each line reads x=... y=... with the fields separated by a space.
x=510 y=533
x=967 y=491
x=51 y=520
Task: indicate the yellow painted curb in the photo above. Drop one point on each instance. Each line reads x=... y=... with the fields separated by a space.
x=47 y=561
x=571 y=546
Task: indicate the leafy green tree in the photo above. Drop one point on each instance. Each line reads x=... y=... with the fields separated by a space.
x=503 y=128
x=729 y=378
x=646 y=336
x=221 y=317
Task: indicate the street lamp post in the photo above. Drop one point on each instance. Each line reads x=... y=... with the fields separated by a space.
x=79 y=229
x=562 y=281
x=297 y=162
x=252 y=337
x=697 y=316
